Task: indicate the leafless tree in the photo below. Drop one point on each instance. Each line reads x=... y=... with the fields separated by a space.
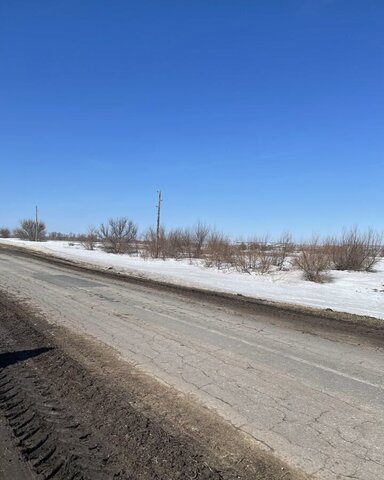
x=263 y=246
x=219 y=251
x=149 y=249
x=282 y=250
x=188 y=243
x=200 y=233
x=5 y=232
x=246 y=258
x=356 y=250
x=174 y=243
x=179 y=243
x=254 y=256
x=313 y=260
x=89 y=240
x=27 y=230
x=118 y=235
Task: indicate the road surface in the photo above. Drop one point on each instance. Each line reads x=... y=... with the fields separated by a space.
x=315 y=400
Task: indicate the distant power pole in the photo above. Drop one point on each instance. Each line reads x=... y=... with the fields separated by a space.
x=158 y=224
x=36 y=227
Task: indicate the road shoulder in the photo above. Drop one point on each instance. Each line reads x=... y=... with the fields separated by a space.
x=11 y=464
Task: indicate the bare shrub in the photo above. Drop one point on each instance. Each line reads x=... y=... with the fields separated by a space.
x=179 y=243
x=254 y=256
x=89 y=240
x=149 y=244
x=246 y=258
x=200 y=233
x=118 y=235
x=219 y=251
x=313 y=260
x=282 y=251
x=29 y=230
x=356 y=250
x=149 y=248
x=262 y=246
x=5 y=232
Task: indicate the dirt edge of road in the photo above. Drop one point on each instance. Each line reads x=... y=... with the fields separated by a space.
x=76 y=408
x=308 y=319
x=12 y=465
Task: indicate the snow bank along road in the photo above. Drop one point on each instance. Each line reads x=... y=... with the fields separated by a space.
x=311 y=393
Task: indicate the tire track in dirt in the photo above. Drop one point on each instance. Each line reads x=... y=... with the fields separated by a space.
x=53 y=441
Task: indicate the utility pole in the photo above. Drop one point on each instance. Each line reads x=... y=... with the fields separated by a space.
x=158 y=224
x=36 y=227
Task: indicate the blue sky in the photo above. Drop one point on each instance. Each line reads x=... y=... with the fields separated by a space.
x=253 y=116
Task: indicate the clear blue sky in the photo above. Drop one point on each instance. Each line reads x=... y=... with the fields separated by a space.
x=254 y=116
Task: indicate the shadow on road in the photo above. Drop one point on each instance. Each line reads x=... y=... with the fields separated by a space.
x=11 y=358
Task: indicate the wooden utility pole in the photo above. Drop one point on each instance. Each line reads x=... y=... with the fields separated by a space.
x=158 y=224
x=36 y=227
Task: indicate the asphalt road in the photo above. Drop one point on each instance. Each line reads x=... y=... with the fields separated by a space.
x=315 y=400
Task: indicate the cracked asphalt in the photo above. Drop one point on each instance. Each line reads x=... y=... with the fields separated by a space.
x=316 y=401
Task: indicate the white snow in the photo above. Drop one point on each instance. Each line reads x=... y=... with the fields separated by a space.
x=360 y=293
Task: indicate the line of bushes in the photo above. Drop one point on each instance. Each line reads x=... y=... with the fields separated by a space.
x=353 y=250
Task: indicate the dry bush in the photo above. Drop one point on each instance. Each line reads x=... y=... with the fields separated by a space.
x=262 y=246
x=179 y=243
x=246 y=258
x=200 y=234
x=219 y=251
x=149 y=249
x=175 y=244
x=27 y=230
x=89 y=240
x=5 y=232
x=118 y=235
x=149 y=244
x=313 y=260
x=282 y=251
x=356 y=250
x=187 y=242
x=254 y=256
